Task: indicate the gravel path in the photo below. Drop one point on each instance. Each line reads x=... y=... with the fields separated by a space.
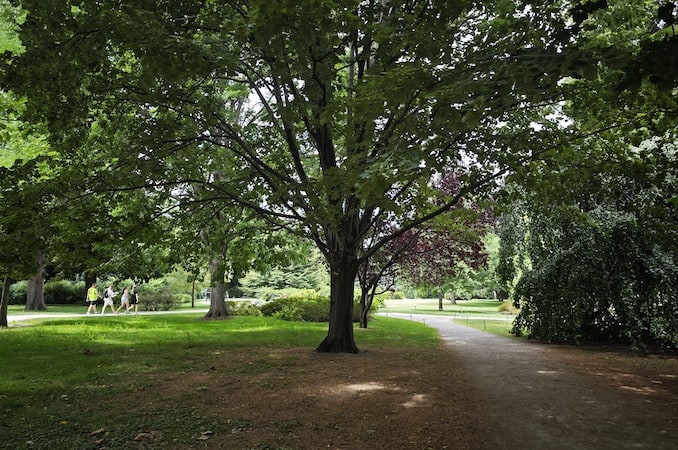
x=558 y=397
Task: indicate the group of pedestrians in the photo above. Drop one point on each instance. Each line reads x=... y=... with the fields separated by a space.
x=128 y=300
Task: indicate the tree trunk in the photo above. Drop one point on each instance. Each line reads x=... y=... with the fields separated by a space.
x=193 y=294
x=364 y=307
x=366 y=301
x=454 y=299
x=339 y=337
x=4 y=301
x=218 y=309
x=440 y=300
x=35 y=297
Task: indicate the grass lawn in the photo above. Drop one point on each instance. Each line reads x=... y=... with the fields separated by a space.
x=486 y=308
x=481 y=314
x=68 y=382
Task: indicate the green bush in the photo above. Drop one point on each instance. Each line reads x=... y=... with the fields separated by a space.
x=64 y=292
x=274 y=306
x=303 y=306
x=57 y=292
x=17 y=293
x=239 y=308
x=157 y=299
x=183 y=298
x=507 y=306
x=317 y=310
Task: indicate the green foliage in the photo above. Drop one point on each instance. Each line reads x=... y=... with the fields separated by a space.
x=306 y=306
x=17 y=293
x=508 y=307
x=157 y=298
x=603 y=279
x=243 y=308
x=10 y=19
x=63 y=292
x=590 y=248
x=280 y=281
x=154 y=94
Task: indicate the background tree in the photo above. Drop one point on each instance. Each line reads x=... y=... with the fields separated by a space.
x=436 y=255
x=378 y=273
x=593 y=245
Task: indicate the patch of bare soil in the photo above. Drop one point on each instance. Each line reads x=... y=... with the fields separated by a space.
x=295 y=398
x=383 y=399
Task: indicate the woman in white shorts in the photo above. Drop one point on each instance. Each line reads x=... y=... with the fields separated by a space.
x=108 y=299
x=124 y=301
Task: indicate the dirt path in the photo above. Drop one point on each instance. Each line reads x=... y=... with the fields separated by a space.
x=539 y=396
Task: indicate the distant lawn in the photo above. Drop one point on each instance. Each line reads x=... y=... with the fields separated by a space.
x=498 y=327
x=430 y=306
x=71 y=309
x=481 y=314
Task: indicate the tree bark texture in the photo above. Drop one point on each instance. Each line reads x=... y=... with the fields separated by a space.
x=35 y=296
x=366 y=301
x=4 y=301
x=363 y=308
x=339 y=337
x=218 y=309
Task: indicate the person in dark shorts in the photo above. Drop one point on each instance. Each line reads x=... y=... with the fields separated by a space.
x=92 y=296
x=134 y=300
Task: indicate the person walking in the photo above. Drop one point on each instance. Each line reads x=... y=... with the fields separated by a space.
x=92 y=296
x=108 y=299
x=124 y=301
x=134 y=300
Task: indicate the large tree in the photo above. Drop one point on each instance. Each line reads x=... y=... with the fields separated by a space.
x=352 y=110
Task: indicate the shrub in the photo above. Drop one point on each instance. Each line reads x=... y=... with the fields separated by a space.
x=303 y=305
x=64 y=292
x=240 y=308
x=183 y=298
x=157 y=299
x=17 y=293
x=508 y=307
x=317 y=310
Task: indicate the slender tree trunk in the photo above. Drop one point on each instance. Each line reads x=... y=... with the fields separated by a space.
x=339 y=337
x=366 y=301
x=4 y=301
x=193 y=294
x=35 y=297
x=364 y=294
x=218 y=309
x=440 y=300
